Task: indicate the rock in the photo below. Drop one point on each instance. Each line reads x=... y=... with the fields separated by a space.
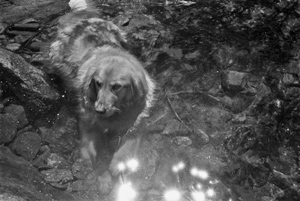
x=27 y=83
x=80 y=169
x=23 y=130
x=174 y=127
x=2 y=27
x=63 y=136
x=10 y=197
x=27 y=145
x=234 y=81
x=40 y=160
x=8 y=128
x=60 y=176
x=19 y=112
x=13 y=46
x=182 y=141
x=19 y=179
x=288 y=79
x=57 y=161
x=147 y=158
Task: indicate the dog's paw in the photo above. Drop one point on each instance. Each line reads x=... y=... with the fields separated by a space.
x=105 y=183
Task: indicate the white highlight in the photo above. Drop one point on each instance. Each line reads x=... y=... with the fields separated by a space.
x=126 y=192
x=172 y=195
x=132 y=164
x=210 y=192
x=178 y=167
x=121 y=166
x=194 y=172
x=198 y=196
x=202 y=174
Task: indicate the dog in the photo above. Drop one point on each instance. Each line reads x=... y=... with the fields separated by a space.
x=113 y=89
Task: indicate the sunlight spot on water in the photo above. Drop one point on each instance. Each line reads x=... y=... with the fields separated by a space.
x=132 y=164
x=126 y=192
x=198 y=196
x=172 y=195
x=210 y=192
x=178 y=167
x=121 y=166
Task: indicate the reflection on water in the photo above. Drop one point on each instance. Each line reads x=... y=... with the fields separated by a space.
x=201 y=188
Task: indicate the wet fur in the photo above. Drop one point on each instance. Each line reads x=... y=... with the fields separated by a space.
x=88 y=49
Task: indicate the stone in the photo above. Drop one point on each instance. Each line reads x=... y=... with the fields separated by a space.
x=19 y=112
x=182 y=141
x=81 y=168
x=19 y=179
x=8 y=128
x=234 y=81
x=57 y=161
x=28 y=83
x=27 y=145
x=60 y=176
x=63 y=136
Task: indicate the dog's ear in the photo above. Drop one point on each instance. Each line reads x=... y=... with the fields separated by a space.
x=92 y=90
x=138 y=88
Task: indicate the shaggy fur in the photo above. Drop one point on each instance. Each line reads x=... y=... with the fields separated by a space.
x=114 y=91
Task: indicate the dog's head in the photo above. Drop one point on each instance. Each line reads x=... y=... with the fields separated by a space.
x=114 y=84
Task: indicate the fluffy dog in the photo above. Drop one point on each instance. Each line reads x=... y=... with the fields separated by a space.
x=114 y=90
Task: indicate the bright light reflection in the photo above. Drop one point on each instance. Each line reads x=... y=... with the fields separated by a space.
x=199 y=186
x=132 y=164
x=202 y=174
x=126 y=192
x=181 y=165
x=172 y=195
x=194 y=171
x=178 y=167
x=198 y=196
x=121 y=166
x=175 y=169
x=210 y=192
x=199 y=173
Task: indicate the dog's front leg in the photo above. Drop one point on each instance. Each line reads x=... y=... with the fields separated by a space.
x=129 y=150
x=94 y=148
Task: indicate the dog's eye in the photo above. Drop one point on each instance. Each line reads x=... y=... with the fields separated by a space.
x=116 y=87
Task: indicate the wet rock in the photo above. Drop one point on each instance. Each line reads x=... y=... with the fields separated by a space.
x=234 y=81
x=27 y=82
x=237 y=103
x=182 y=141
x=40 y=160
x=147 y=158
x=23 y=130
x=57 y=161
x=288 y=79
x=2 y=27
x=27 y=145
x=13 y=46
x=80 y=169
x=60 y=176
x=20 y=179
x=8 y=128
x=19 y=112
x=174 y=127
x=199 y=138
x=9 y=197
x=62 y=137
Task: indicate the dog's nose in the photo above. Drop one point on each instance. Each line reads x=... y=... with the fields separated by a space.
x=101 y=111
